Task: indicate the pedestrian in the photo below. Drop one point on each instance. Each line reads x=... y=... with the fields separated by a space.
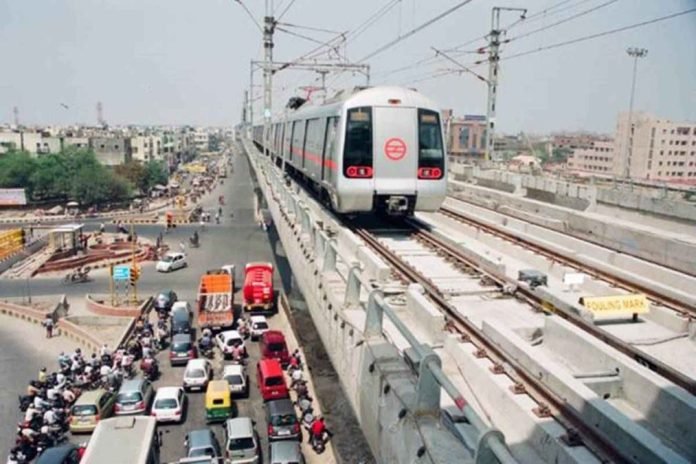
x=102 y=228
x=48 y=325
x=182 y=247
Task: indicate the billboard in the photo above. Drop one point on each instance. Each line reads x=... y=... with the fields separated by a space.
x=12 y=197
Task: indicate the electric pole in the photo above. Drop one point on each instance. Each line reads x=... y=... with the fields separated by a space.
x=268 y=27
x=15 y=112
x=634 y=53
x=100 y=114
x=493 y=69
x=245 y=108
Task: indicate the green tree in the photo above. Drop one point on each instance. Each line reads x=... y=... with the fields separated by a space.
x=16 y=169
x=155 y=173
x=49 y=178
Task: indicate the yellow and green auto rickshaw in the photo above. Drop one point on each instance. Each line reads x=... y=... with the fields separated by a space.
x=218 y=401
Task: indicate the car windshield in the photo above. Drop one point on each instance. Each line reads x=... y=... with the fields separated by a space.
x=234 y=341
x=285 y=419
x=166 y=403
x=234 y=379
x=181 y=346
x=276 y=346
x=168 y=259
x=194 y=453
x=236 y=444
x=260 y=325
x=84 y=410
x=129 y=397
x=195 y=373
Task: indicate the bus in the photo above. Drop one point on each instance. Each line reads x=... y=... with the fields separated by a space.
x=124 y=440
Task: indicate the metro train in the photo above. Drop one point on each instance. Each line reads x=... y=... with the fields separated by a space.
x=369 y=150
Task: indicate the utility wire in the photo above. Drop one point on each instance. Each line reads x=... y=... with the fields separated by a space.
x=565 y=20
x=301 y=36
x=310 y=28
x=599 y=34
x=355 y=33
x=280 y=16
x=415 y=30
x=250 y=15
x=463 y=67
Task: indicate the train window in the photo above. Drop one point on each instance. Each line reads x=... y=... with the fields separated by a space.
x=431 y=156
x=357 y=154
x=329 y=149
x=314 y=143
x=298 y=141
x=288 y=137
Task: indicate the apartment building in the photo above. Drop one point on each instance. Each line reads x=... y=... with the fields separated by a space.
x=596 y=157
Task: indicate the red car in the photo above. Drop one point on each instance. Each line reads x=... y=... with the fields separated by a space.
x=273 y=346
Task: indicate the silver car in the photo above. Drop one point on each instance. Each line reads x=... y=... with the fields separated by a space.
x=241 y=441
x=285 y=452
x=134 y=397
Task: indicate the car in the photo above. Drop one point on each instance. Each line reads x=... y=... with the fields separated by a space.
x=259 y=326
x=165 y=300
x=227 y=340
x=273 y=346
x=241 y=441
x=90 y=408
x=285 y=452
x=182 y=350
x=236 y=375
x=282 y=420
x=169 y=404
x=134 y=397
x=181 y=318
x=61 y=454
x=200 y=443
x=171 y=262
x=197 y=374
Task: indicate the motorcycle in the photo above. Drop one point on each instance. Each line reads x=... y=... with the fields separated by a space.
x=77 y=276
x=150 y=368
x=194 y=242
x=318 y=443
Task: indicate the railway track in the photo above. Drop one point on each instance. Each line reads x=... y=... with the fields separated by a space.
x=685 y=310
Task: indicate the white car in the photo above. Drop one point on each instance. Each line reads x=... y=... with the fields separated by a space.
x=197 y=374
x=236 y=375
x=171 y=262
x=227 y=340
x=169 y=404
x=259 y=325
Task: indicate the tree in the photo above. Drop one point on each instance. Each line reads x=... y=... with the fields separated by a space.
x=16 y=169
x=155 y=173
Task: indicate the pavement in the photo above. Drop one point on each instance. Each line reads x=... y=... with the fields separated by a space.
x=237 y=240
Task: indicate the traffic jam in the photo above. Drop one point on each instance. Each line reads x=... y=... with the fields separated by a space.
x=208 y=343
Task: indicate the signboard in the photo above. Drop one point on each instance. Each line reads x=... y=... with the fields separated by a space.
x=395 y=148
x=13 y=197
x=573 y=278
x=122 y=272
x=474 y=117
x=613 y=306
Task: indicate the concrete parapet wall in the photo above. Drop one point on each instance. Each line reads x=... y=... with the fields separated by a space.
x=103 y=309
x=626 y=198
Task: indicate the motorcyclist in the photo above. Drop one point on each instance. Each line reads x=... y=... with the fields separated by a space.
x=296 y=378
x=50 y=417
x=318 y=429
x=104 y=351
x=206 y=342
x=68 y=396
x=33 y=388
x=63 y=360
x=43 y=375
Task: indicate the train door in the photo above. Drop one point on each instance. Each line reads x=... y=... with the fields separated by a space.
x=395 y=150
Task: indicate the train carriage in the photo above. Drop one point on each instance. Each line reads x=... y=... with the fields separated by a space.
x=378 y=149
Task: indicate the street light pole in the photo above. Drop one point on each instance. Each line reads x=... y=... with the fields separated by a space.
x=634 y=53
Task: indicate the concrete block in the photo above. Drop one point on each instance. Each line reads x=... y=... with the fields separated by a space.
x=425 y=314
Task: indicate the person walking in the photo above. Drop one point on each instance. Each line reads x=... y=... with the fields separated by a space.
x=48 y=325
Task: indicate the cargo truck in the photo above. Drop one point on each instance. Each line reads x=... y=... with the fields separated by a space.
x=258 y=287
x=216 y=300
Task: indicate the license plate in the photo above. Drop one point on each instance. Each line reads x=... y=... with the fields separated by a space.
x=129 y=407
x=283 y=432
x=84 y=420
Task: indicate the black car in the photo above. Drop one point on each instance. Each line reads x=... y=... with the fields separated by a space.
x=63 y=454
x=182 y=350
x=181 y=320
x=164 y=300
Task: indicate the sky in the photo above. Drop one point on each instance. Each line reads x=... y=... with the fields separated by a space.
x=187 y=61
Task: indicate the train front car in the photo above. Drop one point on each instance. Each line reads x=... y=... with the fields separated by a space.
x=393 y=158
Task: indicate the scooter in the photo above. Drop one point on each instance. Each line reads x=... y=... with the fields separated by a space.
x=77 y=276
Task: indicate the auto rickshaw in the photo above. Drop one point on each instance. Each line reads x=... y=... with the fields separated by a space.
x=218 y=402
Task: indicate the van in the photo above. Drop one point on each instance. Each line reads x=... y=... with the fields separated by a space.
x=90 y=408
x=273 y=346
x=241 y=441
x=269 y=376
x=218 y=401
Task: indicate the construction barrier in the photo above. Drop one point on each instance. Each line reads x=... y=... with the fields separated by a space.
x=11 y=241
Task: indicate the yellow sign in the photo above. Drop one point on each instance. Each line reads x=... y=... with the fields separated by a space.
x=619 y=305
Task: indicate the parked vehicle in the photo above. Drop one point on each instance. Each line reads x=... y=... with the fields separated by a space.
x=236 y=375
x=282 y=421
x=285 y=452
x=216 y=300
x=228 y=340
x=218 y=401
x=197 y=374
x=90 y=408
x=270 y=379
x=258 y=287
x=241 y=442
x=182 y=350
x=62 y=454
x=181 y=318
x=259 y=326
x=171 y=262
x=273 y=346
x=200 y=443
x=169 y=404
x=165 y=300
x=134 y=397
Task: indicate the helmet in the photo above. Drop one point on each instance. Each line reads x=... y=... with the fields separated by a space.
x=43 y=369
x=78 y=350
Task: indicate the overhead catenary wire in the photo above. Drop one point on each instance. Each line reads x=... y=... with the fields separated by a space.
x=310 y=28
x=251 y=15
x=599 y=34
x=415 y=30
x=282 y=13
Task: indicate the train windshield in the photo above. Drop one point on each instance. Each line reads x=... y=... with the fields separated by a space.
x=430 y=152
x=358 y=145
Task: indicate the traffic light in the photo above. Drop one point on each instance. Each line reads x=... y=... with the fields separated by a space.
x=170 y=220
x=134 y=275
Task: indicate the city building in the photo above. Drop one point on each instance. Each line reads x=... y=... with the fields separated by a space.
x=662 y=150
x=111 y=151
x=146 y=148
x=596 y=158
x=201 y=140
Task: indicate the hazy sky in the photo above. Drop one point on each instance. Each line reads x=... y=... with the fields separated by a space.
x=187 y=61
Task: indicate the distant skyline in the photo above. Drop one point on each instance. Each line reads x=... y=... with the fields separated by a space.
x=187 y=62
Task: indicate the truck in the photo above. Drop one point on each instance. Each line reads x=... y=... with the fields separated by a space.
x=216 y=300
x=258 y=287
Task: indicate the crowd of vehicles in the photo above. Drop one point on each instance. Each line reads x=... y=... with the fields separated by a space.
x=369 y=150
